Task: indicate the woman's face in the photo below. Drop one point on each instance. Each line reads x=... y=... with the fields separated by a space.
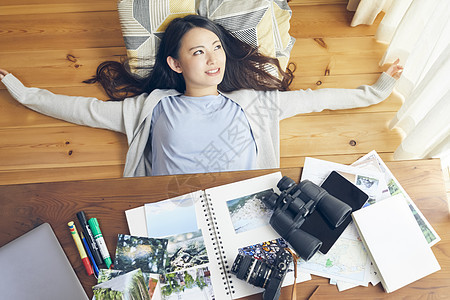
x=201 y=60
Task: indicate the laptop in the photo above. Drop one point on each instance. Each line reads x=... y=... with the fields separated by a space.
x=34 y=266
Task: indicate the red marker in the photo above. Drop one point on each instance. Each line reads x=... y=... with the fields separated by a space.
x=77 y=240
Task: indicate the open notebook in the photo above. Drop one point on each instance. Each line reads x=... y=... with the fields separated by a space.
x=227 y=219
x=34 y=266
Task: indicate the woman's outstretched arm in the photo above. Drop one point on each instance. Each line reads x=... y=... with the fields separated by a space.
x=306 y=101
x=79 y=110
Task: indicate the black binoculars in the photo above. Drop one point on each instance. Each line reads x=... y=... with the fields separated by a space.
x=294 y=204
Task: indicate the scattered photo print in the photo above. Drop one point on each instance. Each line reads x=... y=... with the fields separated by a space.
x=151 y=280
x=191 y=284
x=134 y=252
x=152 y=287
x=130 y=286
x=170 y=217
x=393 y=188
x=108 y=274
x=369 y=186
x=266 y=251
x=249 y=212
x=186 y=251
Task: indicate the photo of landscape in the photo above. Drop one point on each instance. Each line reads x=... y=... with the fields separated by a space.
x=249 y=212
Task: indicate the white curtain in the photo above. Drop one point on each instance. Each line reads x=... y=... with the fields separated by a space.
x=418 y=32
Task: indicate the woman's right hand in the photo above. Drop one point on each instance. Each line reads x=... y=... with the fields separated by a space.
x=3 y=73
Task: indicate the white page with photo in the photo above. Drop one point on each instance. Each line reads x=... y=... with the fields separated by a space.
x=395 y=188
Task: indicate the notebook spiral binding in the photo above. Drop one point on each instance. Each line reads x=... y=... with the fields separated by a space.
x=214 y=233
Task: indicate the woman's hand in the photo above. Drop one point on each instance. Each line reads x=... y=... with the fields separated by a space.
x=3 y=73
x=395 y=70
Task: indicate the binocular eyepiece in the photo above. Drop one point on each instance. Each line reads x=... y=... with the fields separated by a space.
x=293 y=205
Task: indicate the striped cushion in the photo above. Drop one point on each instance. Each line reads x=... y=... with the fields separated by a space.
x=262 y=23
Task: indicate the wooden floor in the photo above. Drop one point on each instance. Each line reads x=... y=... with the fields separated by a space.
x=55 y=44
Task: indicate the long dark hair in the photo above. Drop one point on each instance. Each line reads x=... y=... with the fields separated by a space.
x=245 y=67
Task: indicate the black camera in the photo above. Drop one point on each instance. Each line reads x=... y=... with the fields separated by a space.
x=293 y=205
x=263 y=274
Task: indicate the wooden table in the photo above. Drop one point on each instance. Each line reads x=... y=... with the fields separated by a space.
x=23 y=207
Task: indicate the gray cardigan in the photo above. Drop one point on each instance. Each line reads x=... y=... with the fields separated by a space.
x=264 y=110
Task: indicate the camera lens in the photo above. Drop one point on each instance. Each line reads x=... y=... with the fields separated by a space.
x=241 y=266
x=260 y=274
x=252 y=270
x=263 y=274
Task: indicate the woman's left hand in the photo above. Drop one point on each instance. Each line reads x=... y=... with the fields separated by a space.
x=395 y=70
x=3 y=73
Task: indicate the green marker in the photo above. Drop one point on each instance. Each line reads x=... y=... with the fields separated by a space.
x=95 y=228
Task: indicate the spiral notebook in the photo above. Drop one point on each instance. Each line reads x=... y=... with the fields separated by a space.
x=230 y=217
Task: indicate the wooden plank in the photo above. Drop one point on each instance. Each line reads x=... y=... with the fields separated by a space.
x=57 y=174
x=307 y=135
x=56 y=8
x=337 y=45
x=315 y=21
x=338 y=64
x=347 y=159
x=67 y=146
x=336 y=56
x=57 y=68
x=61 y=31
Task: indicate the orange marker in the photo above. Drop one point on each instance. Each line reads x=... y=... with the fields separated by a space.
x=77 y=240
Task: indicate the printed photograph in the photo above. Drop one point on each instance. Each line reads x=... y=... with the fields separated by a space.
x=108 y=274
x=151 y=280
x=171 y=217
x=134 y=252
x=130 y=286
x=249 y=212
x=369 y=186
x=153 y=287
x=186 y=251
x=393 y=188
x=191 y=284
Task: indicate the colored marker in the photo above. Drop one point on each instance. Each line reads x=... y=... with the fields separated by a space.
x=89 y=238
x=93 y=223
x=89 y=253
x=77 y=240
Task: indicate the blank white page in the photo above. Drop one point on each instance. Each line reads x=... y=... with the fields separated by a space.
x=395 y=242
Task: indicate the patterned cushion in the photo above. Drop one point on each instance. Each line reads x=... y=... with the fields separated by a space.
x=262 y=23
